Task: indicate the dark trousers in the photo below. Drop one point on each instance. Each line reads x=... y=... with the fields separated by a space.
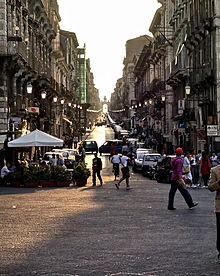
x=195 y=176
x=205 y=178
x=186 y=195
x=94 y=173
x=218 y=231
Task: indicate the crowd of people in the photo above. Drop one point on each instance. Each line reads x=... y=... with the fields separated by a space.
x=196 y=168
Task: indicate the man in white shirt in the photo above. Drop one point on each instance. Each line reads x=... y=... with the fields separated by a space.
x=124 y=170
x=115 y=159
x=4 y=172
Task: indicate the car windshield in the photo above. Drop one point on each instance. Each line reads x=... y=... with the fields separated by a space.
x=47 y=157
x=152 y=157
x=140 y=155
x=89 y=142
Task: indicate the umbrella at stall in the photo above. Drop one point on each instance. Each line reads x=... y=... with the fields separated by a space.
x=36 y=138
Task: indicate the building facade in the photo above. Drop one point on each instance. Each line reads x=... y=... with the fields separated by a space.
x=176 y=76
x=39 y=77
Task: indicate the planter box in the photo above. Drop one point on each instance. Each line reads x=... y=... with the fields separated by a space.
x=16 y=183
x=47 y=183
x=31 y=184
x=63 y=183
x=80 y=182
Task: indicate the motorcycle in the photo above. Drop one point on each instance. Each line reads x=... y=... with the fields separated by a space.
x=152 y=173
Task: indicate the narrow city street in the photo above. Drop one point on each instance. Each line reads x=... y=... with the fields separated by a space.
x=102 y=231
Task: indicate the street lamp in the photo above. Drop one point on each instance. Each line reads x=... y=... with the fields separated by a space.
x=187 y=89
x=55 y=99
x=43 y=94
x=29 y=88
x=163 y=98
x=150 y=102
x=62 y=101
x=69 y=104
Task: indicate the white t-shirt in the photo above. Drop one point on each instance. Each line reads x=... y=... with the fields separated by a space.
x=124 y=161
x=116 y=159
x=4 y=171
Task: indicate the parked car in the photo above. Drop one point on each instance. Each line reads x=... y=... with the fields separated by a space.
x=163 y=169
x=149 y=160
x=72 y=153
x=90 y=146
x=48 y=155
x=137 y=163
x=105 y=148
x=144 y=150
x=62 y=152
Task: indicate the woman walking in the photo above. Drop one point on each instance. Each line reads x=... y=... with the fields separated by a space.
x=205 y=166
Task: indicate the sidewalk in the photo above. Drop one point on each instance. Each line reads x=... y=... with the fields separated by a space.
x=101 y=231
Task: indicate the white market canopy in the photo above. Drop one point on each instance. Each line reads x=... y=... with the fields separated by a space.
x=36 y=138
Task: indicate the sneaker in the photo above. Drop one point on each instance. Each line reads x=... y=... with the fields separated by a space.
x=194 y=186
x=128 y=188
x=117 y=186
x=172 y=208
x=93 y=184
x=194 y=205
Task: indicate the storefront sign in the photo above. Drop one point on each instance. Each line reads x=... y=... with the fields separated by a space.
x=33 y=109
x=212 y=130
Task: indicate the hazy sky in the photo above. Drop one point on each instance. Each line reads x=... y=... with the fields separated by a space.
x=105 y=26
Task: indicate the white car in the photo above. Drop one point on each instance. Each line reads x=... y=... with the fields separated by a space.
x=48 y=156
x=68 y=154
x=149 y=161
x=137 y=164
x=63 y=152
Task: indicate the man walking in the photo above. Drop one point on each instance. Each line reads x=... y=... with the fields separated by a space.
x=96 y=169
x=177 y=182
x=115 y=159
x=214 y=185
x=124 y=170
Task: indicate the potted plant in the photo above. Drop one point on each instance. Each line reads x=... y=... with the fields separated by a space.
x=80 y=174
x=61 y=177
x=45 y=176
x=16 y=178
x=31 y=177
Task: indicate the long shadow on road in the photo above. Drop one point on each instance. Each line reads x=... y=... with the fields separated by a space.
x=103 y=231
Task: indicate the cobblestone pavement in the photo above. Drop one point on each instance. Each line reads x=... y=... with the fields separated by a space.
x=102 y=231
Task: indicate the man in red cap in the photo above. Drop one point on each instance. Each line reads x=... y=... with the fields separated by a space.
x=177 y=182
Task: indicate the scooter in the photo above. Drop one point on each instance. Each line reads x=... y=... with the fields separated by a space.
x=152 y=173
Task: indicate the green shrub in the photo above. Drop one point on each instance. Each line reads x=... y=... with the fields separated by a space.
x=80 y=171
x=60 y=174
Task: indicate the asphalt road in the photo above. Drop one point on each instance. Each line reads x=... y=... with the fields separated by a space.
x=102 y=231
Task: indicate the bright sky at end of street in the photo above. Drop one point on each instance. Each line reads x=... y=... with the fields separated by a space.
x=105 y=26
